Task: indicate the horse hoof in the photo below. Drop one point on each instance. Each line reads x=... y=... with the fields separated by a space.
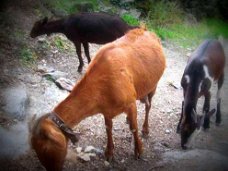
x=79 y=70
x=109 y=159
x=145 y=135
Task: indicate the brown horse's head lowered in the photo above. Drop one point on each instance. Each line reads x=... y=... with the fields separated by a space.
x=122 y=72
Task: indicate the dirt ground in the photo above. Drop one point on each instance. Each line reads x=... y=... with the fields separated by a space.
x=161 y=149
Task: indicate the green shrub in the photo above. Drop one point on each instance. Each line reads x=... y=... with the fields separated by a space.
x=62 y=43
x=217 y=27
x=70 y=6
x=164 y=13
x=131 y=20
x=59 y=43
x=27 y=56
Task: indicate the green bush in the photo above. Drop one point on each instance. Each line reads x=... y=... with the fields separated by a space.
x=131 y=20
x=164 y=13
x=27 y=56
x=62 y=43
x=217 y=27
x=167 y=20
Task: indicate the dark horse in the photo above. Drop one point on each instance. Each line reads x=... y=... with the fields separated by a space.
x=205 y=65
x=84 y=28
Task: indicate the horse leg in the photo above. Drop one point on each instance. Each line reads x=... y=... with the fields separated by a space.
x=110 y=145
x=218 y=113
x=206 y=108
x=145 y=129
x=86 y=49
x=132 y=117
x=179 y=123
x=78 y=51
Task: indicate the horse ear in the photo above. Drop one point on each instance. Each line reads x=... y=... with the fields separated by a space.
x=45 y=20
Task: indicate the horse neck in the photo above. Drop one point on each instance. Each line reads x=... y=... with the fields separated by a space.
x=54 y=27
x=81 y=103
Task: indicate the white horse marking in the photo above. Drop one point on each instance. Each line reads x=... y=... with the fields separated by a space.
x=187 y=78
x=207 y=75
x=200 y=86
x=206 y=72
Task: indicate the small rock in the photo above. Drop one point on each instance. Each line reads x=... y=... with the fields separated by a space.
x=106 y=163
x=167 y=131
x=41 y=39
x=89 y=149
x=84 y=156
x=165 y=144
x=55 y=51
x=64 y=83
x=92 y=154
x=122 y=161
x=44 y=69
x=79 y=149
x=43 y=61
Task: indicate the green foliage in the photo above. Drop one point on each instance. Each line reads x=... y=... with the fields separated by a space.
x=49 y=78
x=187 y=35
x=144 y=6
x=165 y=13
x=27 y=56
x=190 y=35
x=44 y=45
x=73 y=6
x=131 y=20
x=167 y=20
x=65 y=5
x=61 y=43
x=217 y=27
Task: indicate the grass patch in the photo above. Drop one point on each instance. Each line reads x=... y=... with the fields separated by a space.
x=191 y=35
x=167 y=20
x=217 y=27
x=164 y=13
x=61 y=43
x=70 y=6
x=27 y=56
x=131 y=20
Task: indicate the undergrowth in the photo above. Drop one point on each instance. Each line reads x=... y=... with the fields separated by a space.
x=131 y=20
x=27 y=56
x=70 y=6
x=169 y=22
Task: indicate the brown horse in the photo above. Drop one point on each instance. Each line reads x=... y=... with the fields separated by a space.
x=122 y=72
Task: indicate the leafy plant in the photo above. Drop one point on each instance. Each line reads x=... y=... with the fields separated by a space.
x=164 y=13
x=60 y=43
x=217 y=27
x=70 y=6
x=131 y=20
x=27 y=56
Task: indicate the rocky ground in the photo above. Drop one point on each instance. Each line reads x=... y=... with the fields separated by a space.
x=25 y=92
